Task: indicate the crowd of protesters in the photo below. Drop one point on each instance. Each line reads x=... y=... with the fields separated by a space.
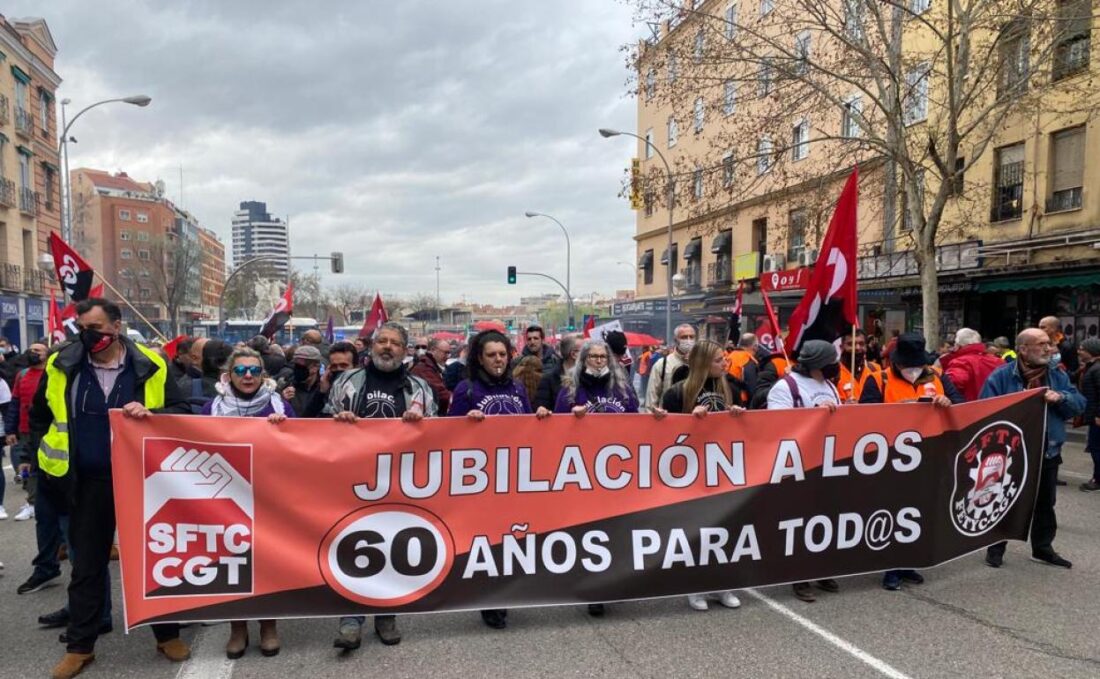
x=47 y=391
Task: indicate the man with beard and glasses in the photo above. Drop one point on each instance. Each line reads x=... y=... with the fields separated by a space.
x=850 y=385
x=83 y=381
x=490 y=390
x=1035 y=368
x=384 y=388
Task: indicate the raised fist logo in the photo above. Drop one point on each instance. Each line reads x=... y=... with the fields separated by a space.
x=189 y=474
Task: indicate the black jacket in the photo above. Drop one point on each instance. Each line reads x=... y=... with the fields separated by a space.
x=454 y=373
x=1090 y=389
x=766 y=378
x=70 y=358
x=549 y=386
x=1068 y=349
x=872 y=393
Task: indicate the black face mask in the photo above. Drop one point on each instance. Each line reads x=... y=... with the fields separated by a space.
x=334 y=375
x=95 y=341
x=831 y=371
x=301 y=373
x=846 y=357
x=33 y=359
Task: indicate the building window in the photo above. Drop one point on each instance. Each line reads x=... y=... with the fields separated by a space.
x=796 y=234
x=673 y=67
x=918 y=7
x=647 y=267
x=142 y=218
x=802 y=52
x=699 y=115
x=649 y=203
x=649 y=143
x=764 y=152
x=907 y=218
x=1013 y=54
x=697 y=183
x=126 y=253
x=766 y=7
x=124 y=235
x=143 y=255
x=143 y=235
x=124 y=273
x=915 y=106
x=673 y=132
x=144 y=273
x=1008 y=183
x=1073 y=39
x=1067 y=160
x=849 y=117
x=146 y=293
x=51 y=181
x=124 y=215
x=800 y=140
x=764 y=77
x=44 y=111
x=650 y=83
x=700 y=45
x=731 y=22
x=729 y=97
x=727 y=169
x=958 y=180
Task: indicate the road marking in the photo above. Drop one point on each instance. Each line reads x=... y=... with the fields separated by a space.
x=851 y=649
x=208 y=659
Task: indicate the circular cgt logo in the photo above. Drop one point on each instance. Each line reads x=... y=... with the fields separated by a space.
x=387 y=555
x=989 y=475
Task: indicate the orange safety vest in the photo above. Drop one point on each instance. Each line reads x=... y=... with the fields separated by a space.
x=738 y=359
x=870 y=368
x=782 y=365
x=898 y=390
x=643 y=363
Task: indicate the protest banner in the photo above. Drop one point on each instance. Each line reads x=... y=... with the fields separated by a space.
x=238 y=518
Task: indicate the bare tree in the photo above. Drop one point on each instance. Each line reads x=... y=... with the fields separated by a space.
x=171 y=268
x=349 y=297
x=915 y=91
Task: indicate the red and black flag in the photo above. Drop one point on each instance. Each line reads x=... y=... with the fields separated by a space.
x=73 y=272
x=57 y=330
x=828 y=309
x=767 y=332
x=375 y=317
x=280 y=314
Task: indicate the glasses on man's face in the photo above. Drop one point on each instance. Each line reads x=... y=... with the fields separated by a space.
x=242 y=370
x=422 y=346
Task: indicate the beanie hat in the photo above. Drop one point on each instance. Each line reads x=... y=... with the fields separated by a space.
x=816 y=354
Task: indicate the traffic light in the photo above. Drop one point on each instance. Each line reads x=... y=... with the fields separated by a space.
x=511 y=275
x=337 y=262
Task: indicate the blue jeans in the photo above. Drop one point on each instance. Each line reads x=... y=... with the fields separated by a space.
x=51 y=530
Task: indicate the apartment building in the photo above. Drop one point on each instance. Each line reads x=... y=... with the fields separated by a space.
x=29 y=187
x=758 y=109
x=256 y=232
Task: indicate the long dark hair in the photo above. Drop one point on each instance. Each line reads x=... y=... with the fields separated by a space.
x=474 y=369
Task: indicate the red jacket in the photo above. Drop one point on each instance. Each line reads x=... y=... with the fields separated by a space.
x=428 y=370
x=26 y=384
x=969 y=367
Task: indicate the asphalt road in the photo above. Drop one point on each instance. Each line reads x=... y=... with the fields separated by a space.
x=1024 y=620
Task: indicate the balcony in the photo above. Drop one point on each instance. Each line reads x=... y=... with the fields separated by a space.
x=11 y=277
x=5 y=110
x=28 y=202
x=34 y=281
x=7 y=192
x=719 y=273
x=24 y=124
x=693 y=277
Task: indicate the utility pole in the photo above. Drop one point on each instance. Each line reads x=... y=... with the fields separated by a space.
x=438 y=311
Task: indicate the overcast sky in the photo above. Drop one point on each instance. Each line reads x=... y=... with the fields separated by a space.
x=392 y=130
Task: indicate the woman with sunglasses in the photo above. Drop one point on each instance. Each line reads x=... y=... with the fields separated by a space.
x=244 y=391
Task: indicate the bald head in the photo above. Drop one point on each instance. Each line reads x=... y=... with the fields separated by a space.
x=1051 y=326
x=313 y=337
x=1034 y=347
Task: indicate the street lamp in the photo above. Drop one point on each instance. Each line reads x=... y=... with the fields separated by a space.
x=63 y=144
x=568 y=260
x=606 y=134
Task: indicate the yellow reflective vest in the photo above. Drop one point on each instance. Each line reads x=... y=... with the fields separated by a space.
x=53 y=449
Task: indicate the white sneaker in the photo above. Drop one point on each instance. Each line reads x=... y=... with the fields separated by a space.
x=698 y=602
x=729 y=600
x=3 y=514
x=25 y=512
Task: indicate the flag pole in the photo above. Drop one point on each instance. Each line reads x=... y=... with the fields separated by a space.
x=132 y=308
x=853 y=385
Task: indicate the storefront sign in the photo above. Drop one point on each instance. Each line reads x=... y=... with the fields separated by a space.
x=37 y=310
x=746 y=266
x=643 y=307
x=9 y=308
x=779 y=281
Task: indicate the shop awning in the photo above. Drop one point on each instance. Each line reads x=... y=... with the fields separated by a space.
x=691 y=251
x=646 y=260
x=664 y=255
x=1015 y=284
x=24 y=150
x=722 y=242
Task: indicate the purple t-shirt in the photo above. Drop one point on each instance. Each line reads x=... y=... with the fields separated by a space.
x=491 y=399
x=598 y=400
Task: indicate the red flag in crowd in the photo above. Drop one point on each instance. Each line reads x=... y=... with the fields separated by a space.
x=56 y=325
x=375 y=318
x=829 y=307
x=767 y=333
x=280 y=314
x=173 y=347
x=589 y=325
x=73 y=272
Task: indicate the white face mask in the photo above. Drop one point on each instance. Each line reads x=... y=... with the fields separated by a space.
x=685 y=346
x=912 y=374
x=597 y=372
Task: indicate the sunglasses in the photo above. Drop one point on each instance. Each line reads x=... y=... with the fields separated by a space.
x=421 y=346
x=242 y=370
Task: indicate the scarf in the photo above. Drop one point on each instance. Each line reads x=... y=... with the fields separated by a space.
x=229 y=403
x=1033 y=377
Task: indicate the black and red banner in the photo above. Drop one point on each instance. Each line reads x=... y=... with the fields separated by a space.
x=217 y=521
x=74 y=274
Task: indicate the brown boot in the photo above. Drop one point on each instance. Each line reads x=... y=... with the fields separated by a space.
x=269 y=638
x=71 y=665
x=174 y=649
x=238 y=639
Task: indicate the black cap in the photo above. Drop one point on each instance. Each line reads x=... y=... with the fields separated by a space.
x=910 y=352
x=616 y=340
